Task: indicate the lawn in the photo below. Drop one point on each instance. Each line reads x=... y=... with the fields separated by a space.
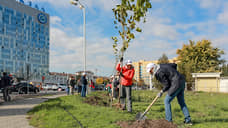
x=208 y=110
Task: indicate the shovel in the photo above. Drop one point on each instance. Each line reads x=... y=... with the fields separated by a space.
x=141 y=116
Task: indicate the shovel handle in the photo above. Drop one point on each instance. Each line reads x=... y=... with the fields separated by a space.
x=148 y=108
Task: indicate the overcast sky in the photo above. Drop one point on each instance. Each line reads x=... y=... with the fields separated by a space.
x=170 y=24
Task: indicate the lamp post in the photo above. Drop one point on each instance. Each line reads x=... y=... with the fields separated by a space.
x=76 y=2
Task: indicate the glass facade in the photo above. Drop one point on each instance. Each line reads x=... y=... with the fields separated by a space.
x=24 y=40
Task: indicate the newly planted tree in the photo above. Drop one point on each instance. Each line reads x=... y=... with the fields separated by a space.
x=127 y=14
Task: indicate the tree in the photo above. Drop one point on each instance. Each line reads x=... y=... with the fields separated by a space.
x=127 y=14
x=224 y=70
x=163 y=59
x=198 y=57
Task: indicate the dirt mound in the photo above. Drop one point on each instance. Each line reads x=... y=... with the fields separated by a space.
x=147 y=124
x=95 y=100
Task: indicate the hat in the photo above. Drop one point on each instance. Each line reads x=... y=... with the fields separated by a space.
x=83 y=73
x=150 y=66
x=128 y=62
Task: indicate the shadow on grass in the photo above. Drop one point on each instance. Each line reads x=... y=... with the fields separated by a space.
x=217 y=120
x=53 y=103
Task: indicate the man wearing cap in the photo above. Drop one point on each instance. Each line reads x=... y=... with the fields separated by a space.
x=127 y=73
x=174 y=83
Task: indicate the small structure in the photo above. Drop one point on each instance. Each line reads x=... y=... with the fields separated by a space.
x=207 y=82
x=224 y=84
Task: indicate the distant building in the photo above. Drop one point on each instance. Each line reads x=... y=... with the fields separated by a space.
x=210 y=82
x=24 y=40
x=140 y=70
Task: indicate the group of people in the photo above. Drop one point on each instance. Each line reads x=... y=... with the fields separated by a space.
x=80 y=83
x=173 y=83
x=5 y=82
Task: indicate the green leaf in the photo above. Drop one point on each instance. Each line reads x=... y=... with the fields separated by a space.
x=138 y=29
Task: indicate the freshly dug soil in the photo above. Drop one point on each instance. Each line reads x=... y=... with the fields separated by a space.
x=162 y=123
x=95 y=100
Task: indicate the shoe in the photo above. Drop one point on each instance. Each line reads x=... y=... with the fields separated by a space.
x=188 y=123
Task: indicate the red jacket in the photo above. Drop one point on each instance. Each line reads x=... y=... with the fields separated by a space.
x=128 y=75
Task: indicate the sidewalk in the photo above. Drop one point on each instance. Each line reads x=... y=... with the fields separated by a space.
x=13 y=114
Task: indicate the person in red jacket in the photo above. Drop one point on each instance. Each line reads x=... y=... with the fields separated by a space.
x=127 y=73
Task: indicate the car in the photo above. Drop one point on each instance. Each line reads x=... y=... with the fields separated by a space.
x=62 y=87
x=54 y=87
x=47 y=87
x=23 y=88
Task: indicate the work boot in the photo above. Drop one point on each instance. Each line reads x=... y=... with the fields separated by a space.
x=188 y=123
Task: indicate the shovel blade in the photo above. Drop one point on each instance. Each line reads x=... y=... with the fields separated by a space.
x=140 y=116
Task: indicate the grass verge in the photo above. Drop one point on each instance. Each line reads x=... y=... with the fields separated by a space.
x=208 y=110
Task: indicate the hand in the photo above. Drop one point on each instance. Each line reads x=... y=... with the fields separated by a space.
x=121 y=74
x=160 y=94
x=121 y=59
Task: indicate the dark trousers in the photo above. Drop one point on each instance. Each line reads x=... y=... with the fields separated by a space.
x=125 y=93
x=83 y=93
x=6 y=96
x=79 y=89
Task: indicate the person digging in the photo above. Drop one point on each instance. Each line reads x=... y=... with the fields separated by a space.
x=126 y=73
x=174 y=83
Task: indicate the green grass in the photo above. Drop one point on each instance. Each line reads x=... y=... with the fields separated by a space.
x=208 y=110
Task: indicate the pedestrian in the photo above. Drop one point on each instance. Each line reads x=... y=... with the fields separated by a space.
x=5 y=82
x=127 y=73
x=68 y=86
x=116 y=82
x=79 y=84
x=174 y=83
x=84 y=84
x=72 y=85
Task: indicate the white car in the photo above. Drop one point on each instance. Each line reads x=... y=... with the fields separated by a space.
x=55 y=87
x=47 y=87
x=62 y=87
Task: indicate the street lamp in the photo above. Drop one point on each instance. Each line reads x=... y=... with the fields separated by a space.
x=77 y=2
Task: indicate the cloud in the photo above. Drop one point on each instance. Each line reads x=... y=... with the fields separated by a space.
x=223 y=17
x=210 y=4
x=55 y=20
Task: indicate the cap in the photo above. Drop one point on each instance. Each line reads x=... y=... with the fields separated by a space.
x=128 y=62
x=150 y=66
x=83 y=73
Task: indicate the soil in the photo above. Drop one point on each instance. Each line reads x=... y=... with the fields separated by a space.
x=95 y=100
x=162 y=123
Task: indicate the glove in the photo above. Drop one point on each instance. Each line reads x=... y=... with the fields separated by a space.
x=121 y=74
x=121 y=59
x=160 y=94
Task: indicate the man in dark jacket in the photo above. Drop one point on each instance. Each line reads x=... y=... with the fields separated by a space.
x=174 y=83
x=84 y=84
x=5 y=82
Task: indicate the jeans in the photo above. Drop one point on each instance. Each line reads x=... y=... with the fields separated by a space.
x=180 y=98
x=83 y=93
x=126 y=94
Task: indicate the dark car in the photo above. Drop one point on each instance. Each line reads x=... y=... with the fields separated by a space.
x=23 y=88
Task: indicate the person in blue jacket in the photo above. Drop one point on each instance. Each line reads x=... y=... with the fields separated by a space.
x=174 y=83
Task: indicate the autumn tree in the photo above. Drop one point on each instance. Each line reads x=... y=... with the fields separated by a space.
x=127 y=14
x=224 y=70
x=163 y=59
x=198 y=57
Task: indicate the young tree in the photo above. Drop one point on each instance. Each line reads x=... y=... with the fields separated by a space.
x=163 y=59
x=198 y=57
x=127 y=14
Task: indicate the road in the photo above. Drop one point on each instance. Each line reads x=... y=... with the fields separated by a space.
x=13 y=114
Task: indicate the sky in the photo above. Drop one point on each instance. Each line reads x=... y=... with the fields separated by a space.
x=170 y=24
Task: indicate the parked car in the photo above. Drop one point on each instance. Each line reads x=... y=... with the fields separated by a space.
x=54 y=87
x=62 y=87
x=23 y=88
x=47 y=87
